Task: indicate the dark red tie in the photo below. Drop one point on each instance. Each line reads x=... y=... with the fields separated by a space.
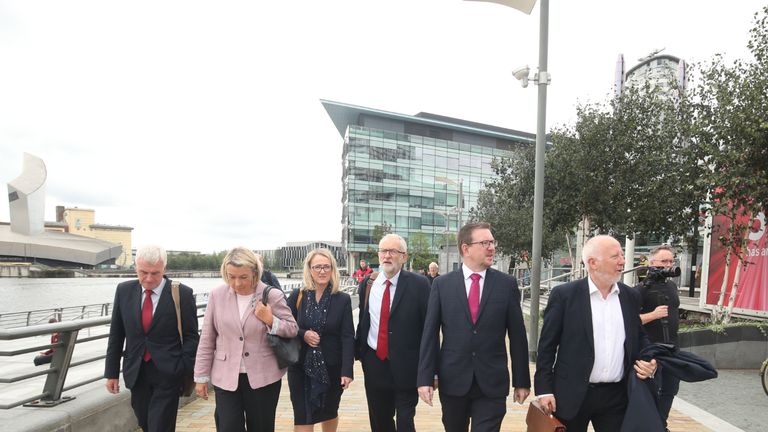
x=146 y=318
x=382 y=343
x=474 y=296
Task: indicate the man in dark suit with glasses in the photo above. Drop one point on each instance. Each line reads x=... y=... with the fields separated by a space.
x=477 y=308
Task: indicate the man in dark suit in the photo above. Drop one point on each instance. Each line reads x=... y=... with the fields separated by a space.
x=476 y=307
x=590 y=343
x=154 y=358
x=388 y=336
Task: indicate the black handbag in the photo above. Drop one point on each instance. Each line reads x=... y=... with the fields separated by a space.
x=286 y=349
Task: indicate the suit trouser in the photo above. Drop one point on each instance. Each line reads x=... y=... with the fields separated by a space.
x=246 y=408
x=604 y=405
x=155 y=399
x=670 y=385
x=486 y=412
x=385 y=400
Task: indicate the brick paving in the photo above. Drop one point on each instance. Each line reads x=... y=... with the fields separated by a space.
x=197 y=416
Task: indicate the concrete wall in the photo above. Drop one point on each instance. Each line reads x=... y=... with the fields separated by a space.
x=732 y=348
x=92 y=410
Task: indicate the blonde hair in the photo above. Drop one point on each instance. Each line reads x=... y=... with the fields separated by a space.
x=309 y=283
x=242 y=257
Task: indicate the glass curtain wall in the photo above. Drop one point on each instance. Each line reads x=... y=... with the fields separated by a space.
x=409 y=182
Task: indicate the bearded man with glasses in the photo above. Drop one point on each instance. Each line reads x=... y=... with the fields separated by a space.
x=392 y=312
x=477 y=308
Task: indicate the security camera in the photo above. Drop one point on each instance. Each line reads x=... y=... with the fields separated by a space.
x=521 y=74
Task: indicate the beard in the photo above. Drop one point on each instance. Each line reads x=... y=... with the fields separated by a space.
x=608 y=278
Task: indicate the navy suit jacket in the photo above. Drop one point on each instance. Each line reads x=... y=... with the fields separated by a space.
x=162 y=339
x=478 y=349
x=567 y=347
x=406 y=322
x=338 y=339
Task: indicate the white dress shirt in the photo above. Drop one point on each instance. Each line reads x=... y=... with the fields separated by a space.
x=468 y=280
x=374 y=305
x=608 y=334
x=155 y=296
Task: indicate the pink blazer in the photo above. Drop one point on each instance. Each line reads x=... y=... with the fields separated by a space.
x=225 y=339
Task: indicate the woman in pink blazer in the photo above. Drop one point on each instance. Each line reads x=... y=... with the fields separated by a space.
x=233 y=353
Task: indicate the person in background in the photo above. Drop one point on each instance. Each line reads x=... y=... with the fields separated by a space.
x=46 y=356
x=362 y=271
x=432 y=273
x=154 y=359
x=267 y=276
x=234 y=354
x=660 y=315
x=388 y=337
x=641 y=273
x=324 y=369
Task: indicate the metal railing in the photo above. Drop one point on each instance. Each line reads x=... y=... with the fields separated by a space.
x=70 y=335
x=70 y=313
x=545 y=285
x=61 y=361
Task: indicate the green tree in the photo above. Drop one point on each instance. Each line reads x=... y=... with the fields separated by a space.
x=732 y=129
x=379 y=231
x=419 y=253
x=506 y=202
x=625 y=166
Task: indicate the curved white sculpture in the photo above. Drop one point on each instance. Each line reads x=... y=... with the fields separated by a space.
x=26 y=197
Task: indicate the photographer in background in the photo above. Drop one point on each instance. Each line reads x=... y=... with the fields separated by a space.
x=660 y=314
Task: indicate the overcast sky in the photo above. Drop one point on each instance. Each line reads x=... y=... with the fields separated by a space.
x=199 y=123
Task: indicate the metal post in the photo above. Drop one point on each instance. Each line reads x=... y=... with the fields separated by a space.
x=461 y=202
x=538 y=190
x=62 y=358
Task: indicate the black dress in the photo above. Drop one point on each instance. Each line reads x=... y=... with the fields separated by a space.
x=315 y=381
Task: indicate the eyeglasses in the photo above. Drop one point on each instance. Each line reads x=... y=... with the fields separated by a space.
x=321 y=268
x=390 y=252
x=485 y=243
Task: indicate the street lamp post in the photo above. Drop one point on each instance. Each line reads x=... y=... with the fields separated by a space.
x=542 y=80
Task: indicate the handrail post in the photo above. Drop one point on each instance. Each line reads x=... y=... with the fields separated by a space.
x=54 y=383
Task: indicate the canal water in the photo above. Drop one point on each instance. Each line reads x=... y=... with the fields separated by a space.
x=24 y=294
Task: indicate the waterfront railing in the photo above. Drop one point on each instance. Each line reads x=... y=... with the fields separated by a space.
x=77 y=326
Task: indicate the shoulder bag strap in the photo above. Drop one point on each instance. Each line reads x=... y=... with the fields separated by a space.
x=177 y=304
x=372 y=277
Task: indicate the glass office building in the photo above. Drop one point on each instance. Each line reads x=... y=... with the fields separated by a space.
x=411 y=172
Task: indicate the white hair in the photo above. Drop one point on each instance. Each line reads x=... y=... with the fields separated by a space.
x=403 y=245
x=591 y=248
x=151 y=254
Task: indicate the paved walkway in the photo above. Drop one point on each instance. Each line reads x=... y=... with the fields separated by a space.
x=353 y=413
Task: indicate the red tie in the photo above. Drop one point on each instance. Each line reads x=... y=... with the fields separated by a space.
x=146 y=318
x=474 y=296
x=382 y=343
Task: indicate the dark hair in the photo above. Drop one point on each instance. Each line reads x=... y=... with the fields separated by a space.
x=465 y=233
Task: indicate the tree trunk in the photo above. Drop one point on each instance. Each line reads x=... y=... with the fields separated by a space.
x=732 y=297
x=736 y=278
x=581 y=238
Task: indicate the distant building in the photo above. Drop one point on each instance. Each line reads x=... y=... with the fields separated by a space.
x=661 y=71
x=28 y=239
x=270 y=257
x=292 y=255
x=83 y=222
x=414 y=174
